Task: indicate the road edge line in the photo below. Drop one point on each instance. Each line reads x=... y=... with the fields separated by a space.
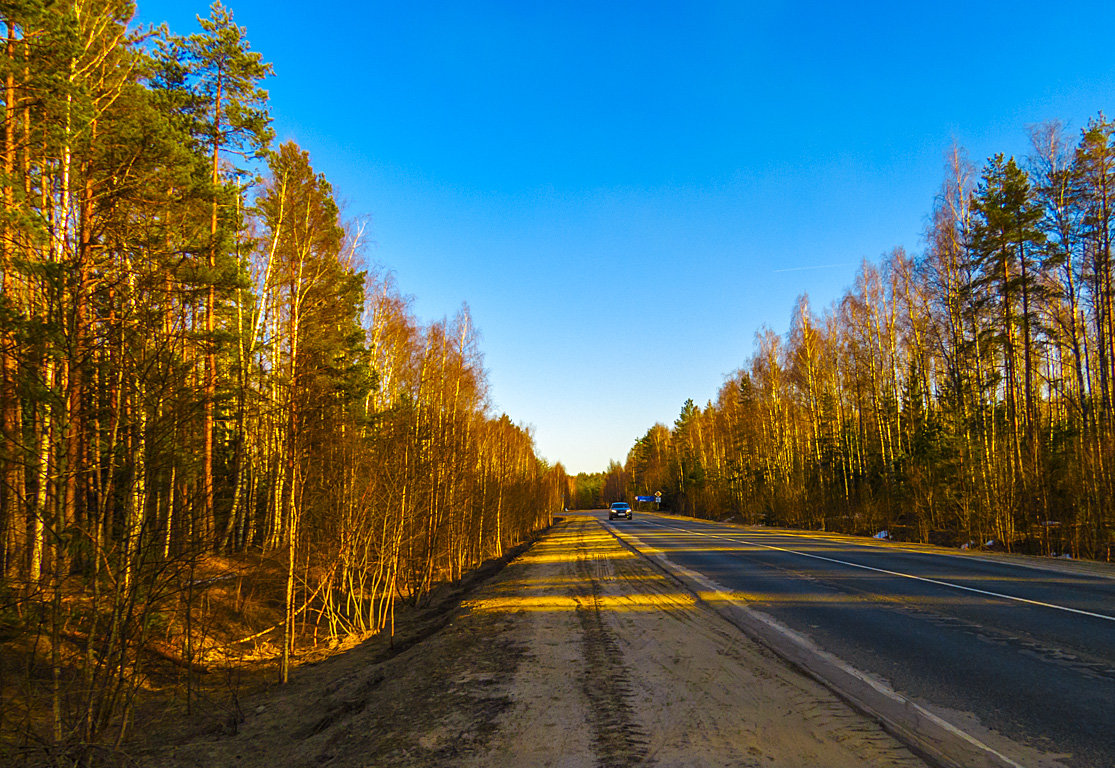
x=928 y=735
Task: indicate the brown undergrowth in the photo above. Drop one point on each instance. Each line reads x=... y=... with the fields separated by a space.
x=178 y=685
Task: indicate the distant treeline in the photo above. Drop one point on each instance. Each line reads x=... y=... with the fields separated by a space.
x=963 y=395
x=191 y=362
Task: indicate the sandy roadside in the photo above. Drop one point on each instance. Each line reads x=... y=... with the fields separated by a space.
x=577 y=654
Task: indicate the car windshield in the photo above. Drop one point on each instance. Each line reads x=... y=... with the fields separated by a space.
x=619 y=505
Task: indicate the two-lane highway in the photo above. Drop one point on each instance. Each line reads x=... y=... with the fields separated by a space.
x=1019 y=656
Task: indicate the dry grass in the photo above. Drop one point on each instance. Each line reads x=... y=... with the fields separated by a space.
x=185 y=691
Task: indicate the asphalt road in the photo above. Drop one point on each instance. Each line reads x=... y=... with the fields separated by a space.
x=1015 y=654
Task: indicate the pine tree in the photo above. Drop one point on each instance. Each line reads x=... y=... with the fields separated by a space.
x=214 y=78
x=1006 y=243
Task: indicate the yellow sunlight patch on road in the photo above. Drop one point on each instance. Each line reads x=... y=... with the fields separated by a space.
x=672 y=601
x=570 y=557
x=619 y=603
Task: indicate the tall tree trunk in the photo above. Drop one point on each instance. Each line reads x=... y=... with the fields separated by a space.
x=209 y=520
x=13 y=524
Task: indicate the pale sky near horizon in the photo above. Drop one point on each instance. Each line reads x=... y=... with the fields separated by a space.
x=625 y=192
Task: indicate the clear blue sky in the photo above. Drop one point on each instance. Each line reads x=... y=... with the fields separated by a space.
x=625 y=192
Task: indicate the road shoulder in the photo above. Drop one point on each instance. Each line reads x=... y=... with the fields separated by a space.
x=577 y=654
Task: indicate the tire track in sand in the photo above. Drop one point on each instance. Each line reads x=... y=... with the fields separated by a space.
x=619 y=740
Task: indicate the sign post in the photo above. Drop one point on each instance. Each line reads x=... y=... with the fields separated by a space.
x=657 y=500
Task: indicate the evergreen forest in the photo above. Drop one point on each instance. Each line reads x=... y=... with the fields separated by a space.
x=198 y=380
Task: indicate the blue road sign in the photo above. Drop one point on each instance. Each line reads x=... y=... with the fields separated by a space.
x=644 y=498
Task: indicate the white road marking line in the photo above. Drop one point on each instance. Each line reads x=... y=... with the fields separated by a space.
x=938 y=582
x=803 y=641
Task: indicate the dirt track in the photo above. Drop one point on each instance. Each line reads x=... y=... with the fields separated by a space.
x=577 y=654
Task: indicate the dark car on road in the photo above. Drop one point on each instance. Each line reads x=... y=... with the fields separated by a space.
x=619 y=509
